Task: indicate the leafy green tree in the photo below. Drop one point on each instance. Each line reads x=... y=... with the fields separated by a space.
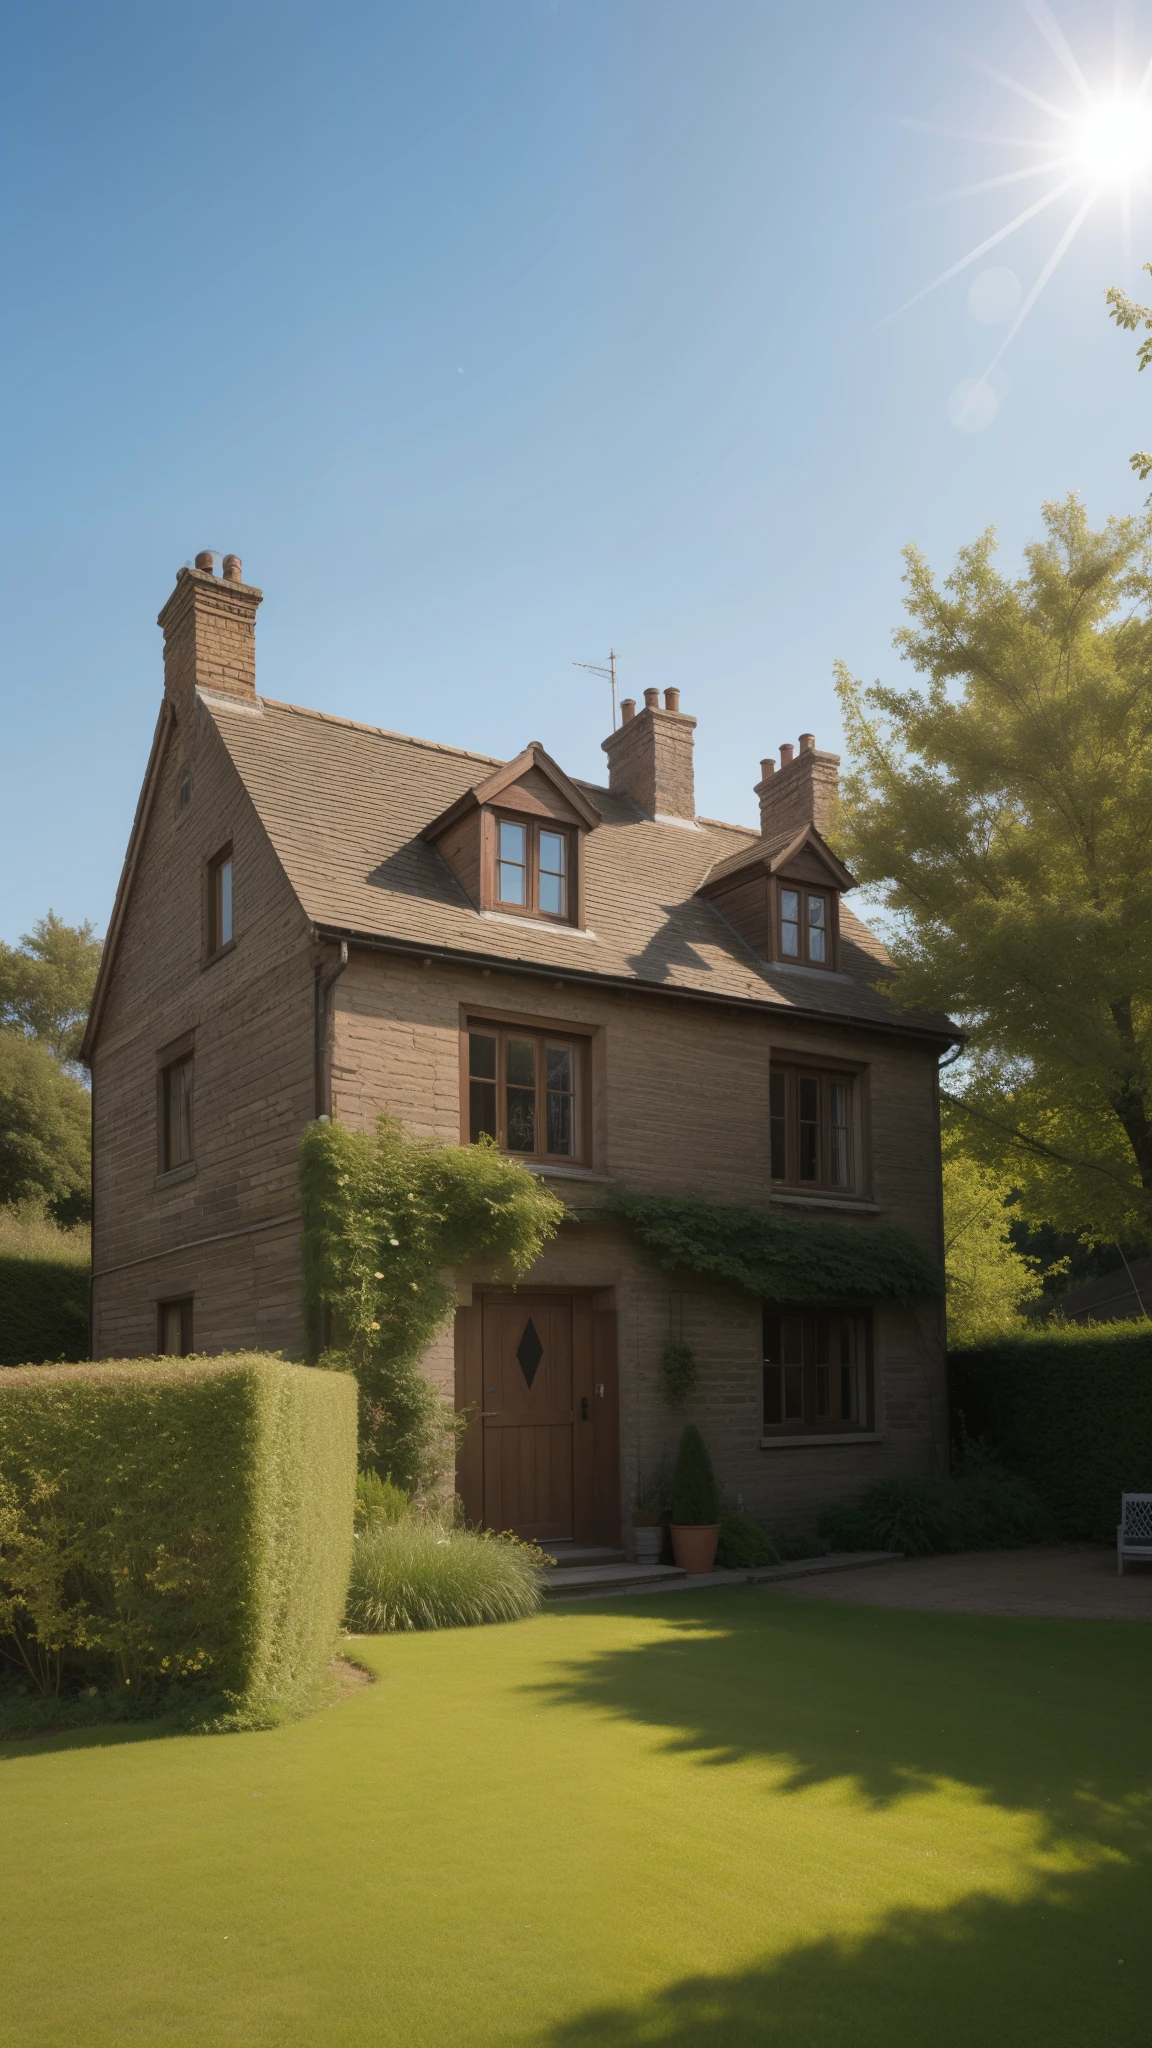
x=1003 y=813
x=45 y=1131
x=987 y=1279
x=46 y=984
x=1131 y=315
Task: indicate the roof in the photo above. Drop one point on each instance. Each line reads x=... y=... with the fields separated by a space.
x=1111 y=1297
x=346 y=807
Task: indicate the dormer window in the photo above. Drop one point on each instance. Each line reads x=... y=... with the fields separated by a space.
x=532 y=864
x=804 y=926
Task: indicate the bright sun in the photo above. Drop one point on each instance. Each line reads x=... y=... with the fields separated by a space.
x=1114 y=142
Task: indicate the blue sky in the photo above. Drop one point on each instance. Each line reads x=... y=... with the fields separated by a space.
x=492 y=334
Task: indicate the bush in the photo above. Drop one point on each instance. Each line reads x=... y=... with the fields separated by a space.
x=418 y=1573
x=179 y=1531
x=744 y=1544
x=1071 y=1410
x=986 y=1510
x=695 y=1494
x=378 y=1500
x=43 y=1289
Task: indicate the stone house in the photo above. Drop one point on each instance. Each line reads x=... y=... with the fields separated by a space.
x=318 y=917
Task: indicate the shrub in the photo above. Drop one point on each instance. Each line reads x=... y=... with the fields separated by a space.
x=802 y=1543
x=744 y=1544
x=180 y=1530
x=1071 y=1410
x=43 y=1289
x=378 y=1500
x=986 y=1510
x=418 y=1573
x=695 y=1494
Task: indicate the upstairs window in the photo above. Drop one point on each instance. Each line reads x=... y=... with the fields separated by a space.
x=177 y=1131
x=812 y=1137
x=805 y=926
x=533 y=862
x=525 y=1090
x=817 y=1372
x=220 y=902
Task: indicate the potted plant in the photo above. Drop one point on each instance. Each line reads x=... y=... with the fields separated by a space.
x=695 y=1505
x=649 y=1517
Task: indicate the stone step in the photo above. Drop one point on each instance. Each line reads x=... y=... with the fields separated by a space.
x=607 y=1578
x=582 y=1556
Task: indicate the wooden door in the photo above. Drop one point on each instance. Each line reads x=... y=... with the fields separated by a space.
x=527 y=1414
x=536 y=1375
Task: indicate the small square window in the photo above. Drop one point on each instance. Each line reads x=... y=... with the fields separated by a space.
x=807 y=925
x=534 y=865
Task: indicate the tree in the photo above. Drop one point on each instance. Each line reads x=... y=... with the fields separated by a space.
x=1130 y=314
x=988 y=1279
x=45 y=1148
x=46 y=984
x=1004 y=814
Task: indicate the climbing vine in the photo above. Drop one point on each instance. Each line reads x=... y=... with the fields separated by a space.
x=383 y=1216
x=778 y=1257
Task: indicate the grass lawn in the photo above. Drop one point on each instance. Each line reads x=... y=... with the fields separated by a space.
x=697 y=1822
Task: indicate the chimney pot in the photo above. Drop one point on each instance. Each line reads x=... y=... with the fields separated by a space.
x=651 y=700
x=803 y=791
x=650 y=758
x=807 y=739
x=767 y=767
x=627 y=710
x=786 y=753
x=671 y=700
x=231 y=569
x=206 y=560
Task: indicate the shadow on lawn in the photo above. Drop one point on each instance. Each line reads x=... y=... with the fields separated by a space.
x=1067 y=1969
x=1046 y=1718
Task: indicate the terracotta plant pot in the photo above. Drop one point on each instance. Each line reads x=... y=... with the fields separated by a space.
x=694 y=1545
x=648 y=1540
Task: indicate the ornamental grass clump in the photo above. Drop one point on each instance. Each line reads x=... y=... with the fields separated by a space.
x=695 y=1494
x=419 y=1574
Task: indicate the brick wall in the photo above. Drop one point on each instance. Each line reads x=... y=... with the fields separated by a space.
x=681 y=1107
x=251 y=1012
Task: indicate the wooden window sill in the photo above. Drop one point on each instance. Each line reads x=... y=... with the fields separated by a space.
x=537 y=924
x=176 y=1173
x=220 y=953
x=795 y=1198
x=563 y=1172
x=814 y=1442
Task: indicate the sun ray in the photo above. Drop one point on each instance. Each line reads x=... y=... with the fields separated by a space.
x=1023 y=92
x=1055 y=163
x=1057 y=256
x=973 y=256
x=1057 y=42
x=973 y=134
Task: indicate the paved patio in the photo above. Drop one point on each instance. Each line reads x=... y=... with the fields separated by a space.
x=1067 y=1580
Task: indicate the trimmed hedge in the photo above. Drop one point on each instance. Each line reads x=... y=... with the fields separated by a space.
x=43 y=1308
x=1069 y=1408
x=179 y=1529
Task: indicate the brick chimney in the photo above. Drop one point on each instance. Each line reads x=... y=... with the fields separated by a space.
x=650 y=757
x=802 y=791
x=209 y=626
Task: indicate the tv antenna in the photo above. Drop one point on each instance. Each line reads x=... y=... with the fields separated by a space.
x=609 y=675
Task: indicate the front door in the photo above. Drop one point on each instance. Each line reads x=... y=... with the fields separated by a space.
x=527 y=1415
x=536 y=1376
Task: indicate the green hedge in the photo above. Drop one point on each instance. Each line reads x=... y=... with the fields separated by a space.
x=177 y=1527
x=43 y=1308
x=1069 y=1408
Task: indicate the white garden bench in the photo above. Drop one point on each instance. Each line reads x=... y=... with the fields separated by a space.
x=1134 y=1529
